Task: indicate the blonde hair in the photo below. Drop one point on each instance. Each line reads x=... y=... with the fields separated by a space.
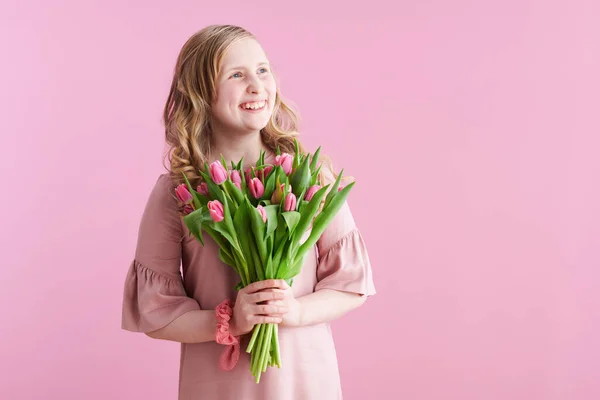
x=186 y=114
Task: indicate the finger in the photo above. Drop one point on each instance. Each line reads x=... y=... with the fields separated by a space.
x=266 y=309
x=266 y=284
x=271 y=294
x=266 y=320
x=278 y=303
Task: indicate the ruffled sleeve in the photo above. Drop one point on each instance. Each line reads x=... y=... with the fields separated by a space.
x=154 y=294
x=344 y=262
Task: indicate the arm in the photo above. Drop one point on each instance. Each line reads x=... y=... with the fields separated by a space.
x=195 y=326
x=199 y=326
x=327 y=305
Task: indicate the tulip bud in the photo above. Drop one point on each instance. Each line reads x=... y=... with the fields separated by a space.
x=266 y=171
x=187 y=209
x=236 y=177
x=218 y=173
x=278 y=194
x=256 y=188
x=183 y=194
x=289 y=204
x=285 y=160
x=216 y=210
x=311 y=192
x=263 y=213
x=248 y=174
x=202 y=189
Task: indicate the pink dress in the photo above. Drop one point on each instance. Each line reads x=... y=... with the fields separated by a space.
x=157 y=291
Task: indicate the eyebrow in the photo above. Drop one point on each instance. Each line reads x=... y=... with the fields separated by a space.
x=258 y=65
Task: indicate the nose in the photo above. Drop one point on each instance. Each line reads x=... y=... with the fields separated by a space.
x=254 y=85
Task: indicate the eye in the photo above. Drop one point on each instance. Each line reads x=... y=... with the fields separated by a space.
x=236 y=75
x=263 y=70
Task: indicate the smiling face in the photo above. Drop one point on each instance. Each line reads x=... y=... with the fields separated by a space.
x=245 y=89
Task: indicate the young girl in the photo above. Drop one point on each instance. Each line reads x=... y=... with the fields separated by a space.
x=224 y=100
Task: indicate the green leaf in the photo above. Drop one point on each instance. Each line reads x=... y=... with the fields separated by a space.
x=258 y=230
x=334 y=190
x=324 y=218
x=300 y=178
x=218 y=237
x=295 y=267
x=222 y=229
x=227 y=259
x=315 y=176
x=270 y=185
x=193 y=221
x=234 y=192
x=258 y=273
x=272 y=218
x=242 y=229
x=315 y=159
x=308 y=213
x=291 y=219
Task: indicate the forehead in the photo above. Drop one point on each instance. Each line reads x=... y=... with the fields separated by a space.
x=245 y=52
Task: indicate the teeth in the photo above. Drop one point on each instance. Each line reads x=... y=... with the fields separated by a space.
x=254 y=106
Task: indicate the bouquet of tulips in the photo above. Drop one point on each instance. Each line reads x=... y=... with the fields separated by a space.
x=258 y=217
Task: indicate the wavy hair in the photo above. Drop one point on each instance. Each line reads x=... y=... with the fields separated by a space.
x=186 y=115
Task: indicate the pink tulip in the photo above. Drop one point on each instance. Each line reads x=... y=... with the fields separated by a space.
x=239 y=185
x=187 y=209
x=248 y=174
x=183 y=194
x=236 y=177
x=289 y=204
x=285 y=160
x=311 y=192
x=264 y=173
x=202 y=189
x=218 y=173
x=256 y=187
x=263 y=213
x=216 y=210
x=341 y=187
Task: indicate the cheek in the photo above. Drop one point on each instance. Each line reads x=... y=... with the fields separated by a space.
x=228 y=95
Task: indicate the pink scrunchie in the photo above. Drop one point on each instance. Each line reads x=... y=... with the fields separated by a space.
x=231 y=354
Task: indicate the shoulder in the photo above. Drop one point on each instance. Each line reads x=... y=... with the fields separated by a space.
x=163 y=191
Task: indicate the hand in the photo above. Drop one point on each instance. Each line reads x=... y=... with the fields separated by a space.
x=293 y=316
x=252 y=306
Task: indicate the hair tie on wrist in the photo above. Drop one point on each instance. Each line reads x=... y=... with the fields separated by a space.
x=231 y=353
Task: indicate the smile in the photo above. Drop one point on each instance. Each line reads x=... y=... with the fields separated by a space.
x=254 y=106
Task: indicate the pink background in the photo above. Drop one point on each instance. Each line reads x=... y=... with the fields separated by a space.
x=471 y=127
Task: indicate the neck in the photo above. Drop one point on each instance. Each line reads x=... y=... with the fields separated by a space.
x=234 y=147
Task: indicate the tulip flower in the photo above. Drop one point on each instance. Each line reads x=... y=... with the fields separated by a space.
x=183 y=194
x=187 y=209
x=278 y=194
x=256 y=188
x=216 y=210
x=289 y=204
x=285 y=160
x=263 y=213
x=248 y=174
x=264 y=173
x=202 y=189
x=311 y=192
x=218 y=173
x=236 y=177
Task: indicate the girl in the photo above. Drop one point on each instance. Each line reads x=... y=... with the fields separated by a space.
x=224 y=100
